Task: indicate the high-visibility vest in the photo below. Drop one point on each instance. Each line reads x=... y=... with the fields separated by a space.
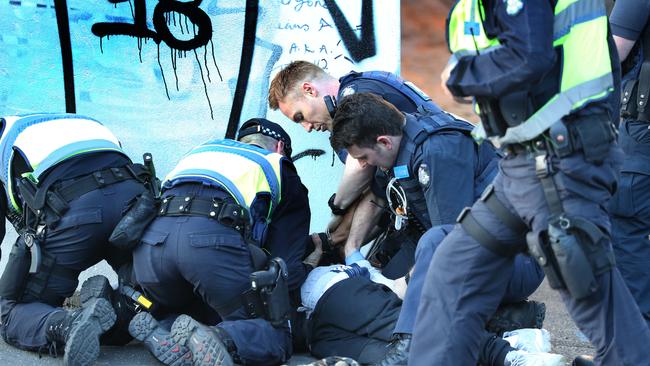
x=579 y=30
x=246 y=172
x=45 y=140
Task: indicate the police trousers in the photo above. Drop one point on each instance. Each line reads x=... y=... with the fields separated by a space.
x=524 y=279
x=195 y=265
x=466 y=282
x=78 y=241
x=630 y=213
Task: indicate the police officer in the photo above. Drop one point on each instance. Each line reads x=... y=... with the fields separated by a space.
x=306 y=94
x=222 y=202
x=541 y=74
x=630 y=206
x=435 y=168
x=66 y=181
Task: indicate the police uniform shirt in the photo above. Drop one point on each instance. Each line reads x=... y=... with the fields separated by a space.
x=288 y=233
x=526 y=32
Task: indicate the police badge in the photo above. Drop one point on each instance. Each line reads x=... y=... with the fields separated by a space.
x=423 y=175
x=348 y=90
x=513 y=7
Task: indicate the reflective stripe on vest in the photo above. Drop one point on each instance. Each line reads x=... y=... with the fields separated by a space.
x=408 y=89
x=580 y=29
x=45 y=140
x=243 y=170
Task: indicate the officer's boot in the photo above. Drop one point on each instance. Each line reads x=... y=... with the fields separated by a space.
x=79 y=331
x=158 y=341
x=523 y=314
x=398 y=351
x=204 y=342
x=97 y=287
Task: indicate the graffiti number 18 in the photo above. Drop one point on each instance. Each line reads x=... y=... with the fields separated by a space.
x=161 y=14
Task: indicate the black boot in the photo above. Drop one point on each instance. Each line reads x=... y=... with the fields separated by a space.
x=583 y=360
x=98 y=287
x=79 y=331
x=398 y=351
x=523 y=314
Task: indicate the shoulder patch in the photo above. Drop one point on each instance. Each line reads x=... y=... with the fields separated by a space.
x=423 y=175
x=348 y=90
x=513 y=7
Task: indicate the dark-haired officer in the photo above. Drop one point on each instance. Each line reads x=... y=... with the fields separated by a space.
x=542 y=74
x=435 y=168
x=224 y=206
x=66 y=181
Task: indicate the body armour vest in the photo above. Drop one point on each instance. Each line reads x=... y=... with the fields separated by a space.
x=406 y=88
x=33 y=144
x=417 y=129
x=248 y=173
x=579 y=35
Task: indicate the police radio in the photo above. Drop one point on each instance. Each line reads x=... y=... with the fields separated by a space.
x=330 y=103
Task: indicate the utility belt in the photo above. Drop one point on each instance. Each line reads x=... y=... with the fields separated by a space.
x=591 y=135
x=49 y=203
x=268 y=296
x=634 y=97
x=511 y=110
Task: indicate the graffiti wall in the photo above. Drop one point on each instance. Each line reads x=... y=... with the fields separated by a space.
x=166 y=75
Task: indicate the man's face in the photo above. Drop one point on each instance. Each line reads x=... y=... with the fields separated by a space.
x=309 y=111
x=379 y=155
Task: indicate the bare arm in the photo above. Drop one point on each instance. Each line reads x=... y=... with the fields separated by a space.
x=364 y=220
x=623 y=46
x=354 y=181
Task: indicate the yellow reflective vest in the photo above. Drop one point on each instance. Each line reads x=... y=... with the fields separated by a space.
x=246 y=172
x=579 y=30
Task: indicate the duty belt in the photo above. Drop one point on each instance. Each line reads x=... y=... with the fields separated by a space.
x=225 y=211
x=56 y=196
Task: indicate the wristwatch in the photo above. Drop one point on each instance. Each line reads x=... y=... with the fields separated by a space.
x=335 y=209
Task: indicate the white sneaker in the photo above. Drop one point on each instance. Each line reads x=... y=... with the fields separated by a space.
x=529 y=339
x=523 y=358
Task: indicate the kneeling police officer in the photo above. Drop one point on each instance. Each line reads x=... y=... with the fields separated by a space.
x=66 y=181
x=223 y=203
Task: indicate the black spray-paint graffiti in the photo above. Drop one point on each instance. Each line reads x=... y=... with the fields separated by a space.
x=168 y=12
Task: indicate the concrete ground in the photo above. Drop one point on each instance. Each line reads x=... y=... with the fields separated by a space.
x=566 y=338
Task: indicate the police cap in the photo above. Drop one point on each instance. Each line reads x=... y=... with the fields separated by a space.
x=267 y=128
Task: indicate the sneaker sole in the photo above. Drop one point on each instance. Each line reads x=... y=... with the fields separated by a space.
x=82 y=345
x=95 y=287
x=184 y=331
x=141 y=328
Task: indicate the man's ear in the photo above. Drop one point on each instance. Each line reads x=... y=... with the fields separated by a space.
x=279 y=148
x=386 y=141
x=309 y=89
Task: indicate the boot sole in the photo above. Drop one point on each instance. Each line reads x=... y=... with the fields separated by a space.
x=82 y=345
x=214 y=353
x=141 y=328
x=95 y=287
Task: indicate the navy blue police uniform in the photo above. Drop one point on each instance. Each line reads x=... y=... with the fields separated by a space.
x=83 y=197
x=201 y=265
x=630 y=206
x=538 y=184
